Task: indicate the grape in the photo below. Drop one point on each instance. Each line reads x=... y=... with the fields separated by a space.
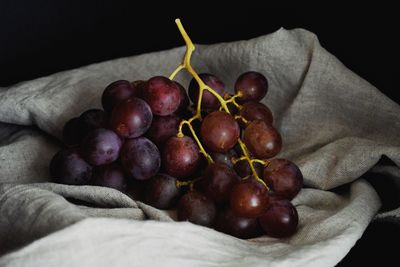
x=283 y=177
x=94 y=119
x=131 y=118
x=218 y=181
x=263 y=140
x=101 y=146
x=249 y=198
x=161 y=191
x=162 y=95
x=243 y=169
x=228 y=222
x=140 y=158
x=115 y=93
x=77 y=128
x=224 y=158
x=209 y=101
x=252 y=111
x=181 y=156
x=73 y=132
x=196 y=208
x=220 y=132
x=162 y=128
x=111 y=175
x=252 y=86
x=280 y=219
x=68 y=167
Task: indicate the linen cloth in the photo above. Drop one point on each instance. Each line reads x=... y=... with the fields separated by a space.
x=334 y=125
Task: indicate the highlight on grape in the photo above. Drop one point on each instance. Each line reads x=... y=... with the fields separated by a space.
x=208 y=154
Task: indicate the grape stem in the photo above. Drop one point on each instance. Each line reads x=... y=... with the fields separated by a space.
x=202 y=86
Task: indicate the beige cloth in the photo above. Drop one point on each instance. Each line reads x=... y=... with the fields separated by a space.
x=334 y=124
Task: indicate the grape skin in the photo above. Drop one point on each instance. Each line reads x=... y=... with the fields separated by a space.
x=115 y=93
x=180 y=157
x=196 y=208
x=252 y=86
x=283 y=177
x=262 y=140
x=219 y=131
x=131 y=118
x=68 y=167
x=111 y=175
x=140 y=158
x=161 y=191
x=101 y=146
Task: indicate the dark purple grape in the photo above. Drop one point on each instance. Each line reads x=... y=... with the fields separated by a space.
x=249 y=198
x=280 y=219
x=262 y=140
x=73 y=132
x=162 y=128
x=225 y=158
x=252 y=111
x=196 y=208
x=131 y=118
x=101 y=146
x=161 y=191
x=68 y=167
x=111 y=175
x=242 y=168
x=208 y=101
x=218 y=181
x=229 y=223
x=140 y=158
x=115 y=93
x=219 y=131
x=162 y=95
x=93 y=119
x=252 y=86
x=283 y=177
x=77 y=128
x=181 y=156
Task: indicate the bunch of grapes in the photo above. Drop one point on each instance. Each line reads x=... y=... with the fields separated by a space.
x=190 y=157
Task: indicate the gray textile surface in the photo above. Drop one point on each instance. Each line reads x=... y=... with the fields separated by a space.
x=334 y=124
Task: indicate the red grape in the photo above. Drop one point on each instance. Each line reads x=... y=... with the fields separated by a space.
x=220 y=132
x=161 y=191
x=283 y=177
x=101 y=146
x=131 y=118
x=111 y=175
x=249 y=198
x=196 y=208
x=280 y=219
x=252 y=86
x=252 y=111
x=162 y=95
x=115 y=93
x=228 y=222
x=180 y=157
x=263 y=140
x=68 y=167
x=140 y=158
x=162 y=128
x=209 y=101
x=218 y=181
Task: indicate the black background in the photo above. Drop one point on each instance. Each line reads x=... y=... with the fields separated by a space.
x=41 y=37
